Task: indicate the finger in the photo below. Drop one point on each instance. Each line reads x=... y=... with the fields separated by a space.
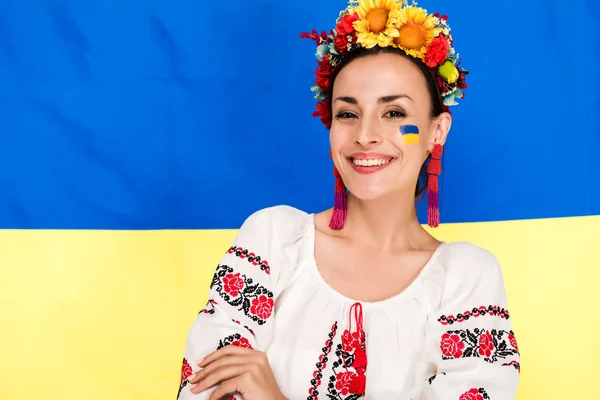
x=225 y=351
x=226 y=389
x=219 y=375
x=218 y=363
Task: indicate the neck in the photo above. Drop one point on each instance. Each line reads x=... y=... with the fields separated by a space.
x=386 y=222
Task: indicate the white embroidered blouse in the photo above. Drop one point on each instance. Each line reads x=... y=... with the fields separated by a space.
x=446 y=336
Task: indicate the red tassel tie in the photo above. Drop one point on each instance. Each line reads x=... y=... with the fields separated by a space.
x=359 y=381
x=434 y=169
x=338 y=218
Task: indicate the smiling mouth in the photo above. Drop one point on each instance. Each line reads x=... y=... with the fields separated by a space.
x=372 y=162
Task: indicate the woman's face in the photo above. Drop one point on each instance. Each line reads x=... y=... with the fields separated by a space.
x=382 y=130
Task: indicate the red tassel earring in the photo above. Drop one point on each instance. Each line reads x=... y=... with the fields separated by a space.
x=434 y=169
x=338 y=218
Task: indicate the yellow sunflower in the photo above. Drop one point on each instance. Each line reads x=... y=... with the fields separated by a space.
x=377 y=22
x=416 y=31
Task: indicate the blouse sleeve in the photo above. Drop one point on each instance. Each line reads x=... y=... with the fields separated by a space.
x=240 y=309
x=472 y=349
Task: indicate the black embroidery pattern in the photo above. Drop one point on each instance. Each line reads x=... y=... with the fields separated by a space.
x=489 y=345
x=321 y=365
x=252 y=258
x=243 y=293
x=475 y=312
x=432 y=378
x=210 y=307
x=514 y=364
x=228 y=340
x=183 y=384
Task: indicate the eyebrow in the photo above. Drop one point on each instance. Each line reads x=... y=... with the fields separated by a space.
x=381 y=100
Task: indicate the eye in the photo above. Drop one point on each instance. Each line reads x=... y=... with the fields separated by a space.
x=394 y=114
x=345 y=115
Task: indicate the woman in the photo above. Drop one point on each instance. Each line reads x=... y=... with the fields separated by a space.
x=360 y=301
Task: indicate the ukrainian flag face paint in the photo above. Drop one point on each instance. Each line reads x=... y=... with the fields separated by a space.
x=410 y=134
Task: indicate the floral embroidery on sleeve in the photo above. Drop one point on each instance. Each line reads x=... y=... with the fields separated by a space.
x=490 y=345
x=244 y=254
x=243 y=293
x=235 y=340
x=475 y=312
x=186 y=371
x=474 y=394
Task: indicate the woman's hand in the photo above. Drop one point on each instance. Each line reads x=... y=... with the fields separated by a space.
x=237 y=370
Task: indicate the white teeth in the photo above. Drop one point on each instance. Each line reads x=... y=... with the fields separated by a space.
x=370 y=163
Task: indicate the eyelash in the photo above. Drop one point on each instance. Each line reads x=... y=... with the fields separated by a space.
x=349 y=115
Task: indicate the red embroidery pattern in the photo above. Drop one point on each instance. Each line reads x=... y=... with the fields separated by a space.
x=474 y=394
x=349 y=384
x=489 y=345
x=321 y=365
x=475 y=312
x=186 y=371
x=252 y=258
x=241 y=292
x=210 y=307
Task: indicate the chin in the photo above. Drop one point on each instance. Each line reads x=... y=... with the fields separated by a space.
x=368 y=193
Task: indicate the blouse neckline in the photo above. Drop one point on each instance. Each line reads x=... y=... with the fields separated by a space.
x=367 y=304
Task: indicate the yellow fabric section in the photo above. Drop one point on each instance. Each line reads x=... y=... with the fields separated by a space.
x=104 y=315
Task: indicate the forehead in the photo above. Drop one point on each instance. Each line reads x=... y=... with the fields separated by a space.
x=380 y=75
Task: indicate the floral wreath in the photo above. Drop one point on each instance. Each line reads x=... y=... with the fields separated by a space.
x=388 y=23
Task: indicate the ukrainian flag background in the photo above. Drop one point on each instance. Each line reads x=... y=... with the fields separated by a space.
x=136 y=136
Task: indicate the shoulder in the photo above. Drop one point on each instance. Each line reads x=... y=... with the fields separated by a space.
x=275 y=219
x=467 y=264
x=280 y=235
x=276 y=227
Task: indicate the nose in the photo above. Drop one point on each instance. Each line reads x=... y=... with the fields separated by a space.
x=367 y=134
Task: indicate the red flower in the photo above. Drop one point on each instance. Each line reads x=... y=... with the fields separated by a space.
x=341 y=44
x=262 y=307
x=323 y=82
x=345 y=26
x=343 y=380
x=486 y=344
x=323 y=73
x=437 y=51
x=350 y=341
x=232 y=283
x=345 y=33
x=472 y=394
x=323 y=112
x=513 y=342
x=186 y=371
x=242 y=342
x=451 y=345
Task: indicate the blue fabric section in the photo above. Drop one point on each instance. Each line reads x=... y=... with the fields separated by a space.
x=188 y=114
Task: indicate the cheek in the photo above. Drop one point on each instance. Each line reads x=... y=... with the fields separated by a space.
x=338 y=137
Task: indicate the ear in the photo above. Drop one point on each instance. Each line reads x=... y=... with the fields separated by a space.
x=439 y=129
